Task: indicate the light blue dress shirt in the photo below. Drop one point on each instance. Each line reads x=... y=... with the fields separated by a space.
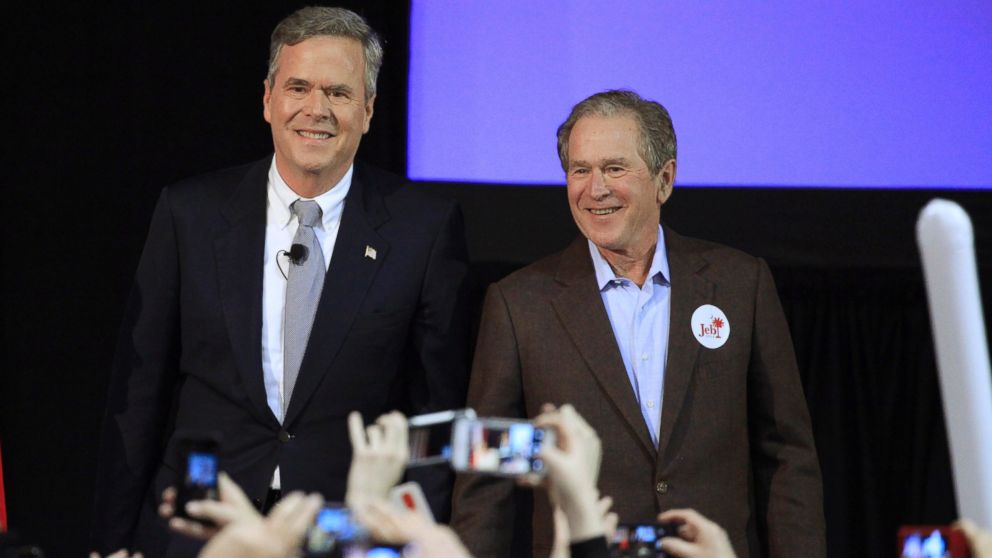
x=640 y=318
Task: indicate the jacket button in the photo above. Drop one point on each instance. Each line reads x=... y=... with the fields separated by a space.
x=661 y=487
x=284 y=436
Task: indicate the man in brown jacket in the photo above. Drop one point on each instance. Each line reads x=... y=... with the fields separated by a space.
x=675 y=350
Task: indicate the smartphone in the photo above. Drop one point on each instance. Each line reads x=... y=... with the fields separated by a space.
x=430 y=436
x=198 y=467
x=932 y=541
x=500 y=447
x=641 y=540
x=335 y=534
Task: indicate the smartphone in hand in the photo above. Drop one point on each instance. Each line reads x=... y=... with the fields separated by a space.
x=641 y=540
x=198 y=468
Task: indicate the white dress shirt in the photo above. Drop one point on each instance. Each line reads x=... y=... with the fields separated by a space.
x=280 y=228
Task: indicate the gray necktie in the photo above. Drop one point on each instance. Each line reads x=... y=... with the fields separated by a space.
x=306 y=280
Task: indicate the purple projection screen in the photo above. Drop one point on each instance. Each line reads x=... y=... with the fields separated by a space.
x=883 y=94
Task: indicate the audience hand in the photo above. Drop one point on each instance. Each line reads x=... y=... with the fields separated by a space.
x=560 y=548
x=232 y=506
x=425 y=538
x=979 y=539
x=379 y=456
x=698 y=537
x=279 y=535
x=572 y=469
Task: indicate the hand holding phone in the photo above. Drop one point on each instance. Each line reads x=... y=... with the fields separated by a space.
x=641 y=540
x=197 y=475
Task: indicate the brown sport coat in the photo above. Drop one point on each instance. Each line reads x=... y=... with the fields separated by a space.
x=735 y=440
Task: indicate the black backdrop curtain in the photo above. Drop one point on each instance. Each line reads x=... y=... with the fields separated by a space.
x=862 y=339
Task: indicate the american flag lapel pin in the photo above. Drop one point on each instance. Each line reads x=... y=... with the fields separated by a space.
x=369 y=252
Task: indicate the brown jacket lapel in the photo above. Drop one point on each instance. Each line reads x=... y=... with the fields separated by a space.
x=689 y=291
x=580 y=308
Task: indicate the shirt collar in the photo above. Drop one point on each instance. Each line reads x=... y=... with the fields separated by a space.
x=281 y=196
x=658 y=272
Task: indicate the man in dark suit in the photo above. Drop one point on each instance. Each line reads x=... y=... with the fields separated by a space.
x=675 y=350
x=214 y=319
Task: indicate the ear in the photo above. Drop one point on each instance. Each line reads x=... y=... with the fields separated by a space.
x=266 y=100
x=666 y=181
x=369 y=106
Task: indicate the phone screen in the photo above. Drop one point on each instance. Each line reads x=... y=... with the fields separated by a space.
x=641 y=540
x=197 y=479
x=335 y=534
x=499 y=446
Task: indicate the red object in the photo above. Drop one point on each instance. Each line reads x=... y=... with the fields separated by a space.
x=3 y=501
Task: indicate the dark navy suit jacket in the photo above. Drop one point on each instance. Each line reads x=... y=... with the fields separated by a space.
x=391 y=332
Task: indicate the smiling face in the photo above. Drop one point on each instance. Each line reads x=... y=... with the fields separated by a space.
x=614 y=199
x=318 y=112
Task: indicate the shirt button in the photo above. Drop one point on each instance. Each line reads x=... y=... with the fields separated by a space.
x=661 y=487
x=644 y=356
x=284 y=436
x=650 y=404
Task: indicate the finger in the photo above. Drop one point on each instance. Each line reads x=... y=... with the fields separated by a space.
x=604 y=504
x=169 y=495
x=692 y=522
x=166 y=510
x=968 y=526
x=356 y=431
x=220 y=513
x=297 y=522
x=122 y=553
x=286 y=507
x=394 y=429
x=610 y=522
x=192 y=529
x=374 y=433
x=548 y=408
x=680 y=548
x=231 y=493
x=529 y=480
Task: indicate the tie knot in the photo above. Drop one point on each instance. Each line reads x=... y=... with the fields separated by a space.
x=307 y=211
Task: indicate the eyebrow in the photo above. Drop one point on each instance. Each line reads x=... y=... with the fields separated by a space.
x=604 y=163
x=296 y=81
x=330 y=88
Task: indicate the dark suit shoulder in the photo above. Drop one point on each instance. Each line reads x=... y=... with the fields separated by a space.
x=718 y=258
x=216 y=186
x=532 y=282
x=403 y=200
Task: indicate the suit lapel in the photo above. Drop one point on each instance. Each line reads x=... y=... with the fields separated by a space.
x=349 y=276
x=689 y=291
x=238 y=251
x=579 y=306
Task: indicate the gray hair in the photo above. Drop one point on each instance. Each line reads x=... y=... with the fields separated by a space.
x=657 y=141
x=318 y=21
